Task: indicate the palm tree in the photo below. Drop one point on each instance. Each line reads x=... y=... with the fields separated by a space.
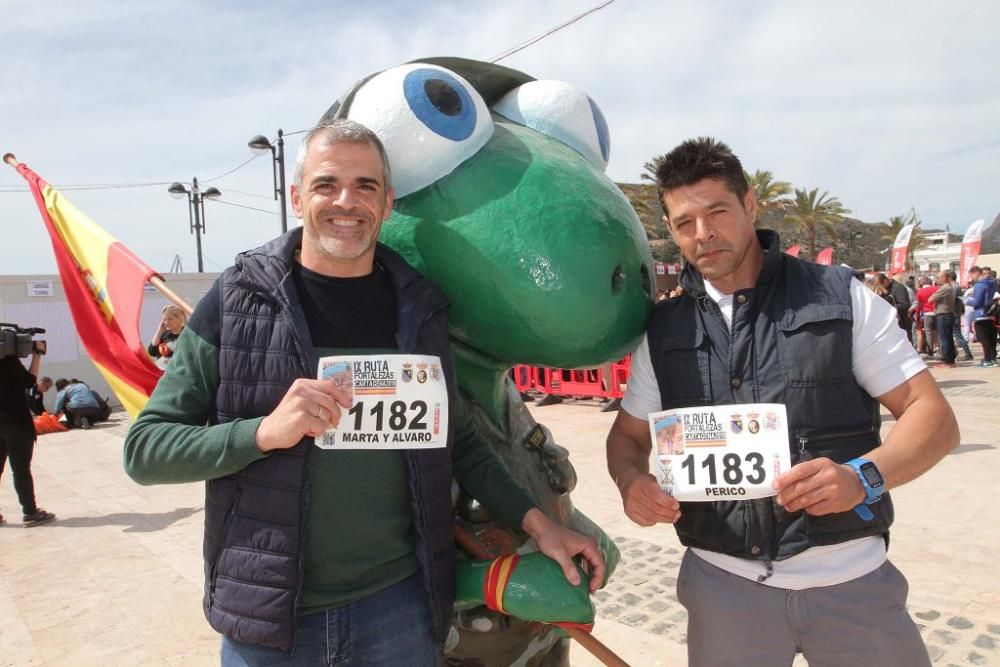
x=769 y=191
x=917 y=238
x=651 y=168
x=810 y=210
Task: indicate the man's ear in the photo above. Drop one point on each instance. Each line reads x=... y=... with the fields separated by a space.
x=296 y=201
x=390 y=199
x=750 y=204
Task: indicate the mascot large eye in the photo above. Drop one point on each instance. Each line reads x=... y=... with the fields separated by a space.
x=429 y=118
x=562 y=112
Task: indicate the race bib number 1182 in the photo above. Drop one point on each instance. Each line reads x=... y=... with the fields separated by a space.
x=399 y=401
x=728 y=452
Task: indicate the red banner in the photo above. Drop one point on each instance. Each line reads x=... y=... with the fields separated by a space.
x=825 y=256
x=970 y=250
x=900 y=248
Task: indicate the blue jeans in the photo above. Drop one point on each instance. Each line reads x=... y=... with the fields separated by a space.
x=945 y=323
x=391 y=627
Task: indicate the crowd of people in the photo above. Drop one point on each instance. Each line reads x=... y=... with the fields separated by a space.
x=940 y=317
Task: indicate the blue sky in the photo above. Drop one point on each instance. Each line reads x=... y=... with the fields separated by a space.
x=885 y=105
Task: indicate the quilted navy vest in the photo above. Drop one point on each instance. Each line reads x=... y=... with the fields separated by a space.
x=255 y=519
x=790 y=342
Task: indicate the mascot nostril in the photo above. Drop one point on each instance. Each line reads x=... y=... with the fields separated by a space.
x=617 y=280
x=502 y=200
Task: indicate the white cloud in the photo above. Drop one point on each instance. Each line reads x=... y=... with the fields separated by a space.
x=885 y=105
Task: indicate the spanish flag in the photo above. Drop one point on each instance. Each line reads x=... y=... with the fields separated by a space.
x=104 y=283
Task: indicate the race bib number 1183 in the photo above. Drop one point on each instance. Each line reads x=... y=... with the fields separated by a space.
x=728 y=452
x=399 y=401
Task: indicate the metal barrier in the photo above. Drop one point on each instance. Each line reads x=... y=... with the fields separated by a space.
x=556 y=383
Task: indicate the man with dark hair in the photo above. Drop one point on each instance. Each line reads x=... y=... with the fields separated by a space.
x=958 y=328
x=805 y=570
x=17 y=434
x=36 y=395
x=316 y=555
x=984 y=288
x=900 y=300
x=944 y=317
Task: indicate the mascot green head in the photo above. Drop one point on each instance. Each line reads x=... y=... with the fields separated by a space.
x=502 y=200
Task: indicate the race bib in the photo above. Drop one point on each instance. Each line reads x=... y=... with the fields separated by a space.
x=726 y=452
x=399 y=401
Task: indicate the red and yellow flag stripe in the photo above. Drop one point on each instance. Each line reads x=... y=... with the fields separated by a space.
x=103 y=281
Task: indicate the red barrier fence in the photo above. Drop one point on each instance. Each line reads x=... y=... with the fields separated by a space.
x=606 y=382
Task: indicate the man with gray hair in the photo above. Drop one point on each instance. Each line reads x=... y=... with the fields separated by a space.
x=316 y=553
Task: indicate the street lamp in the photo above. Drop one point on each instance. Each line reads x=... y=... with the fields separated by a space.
x=260 y=145
x=196 y=209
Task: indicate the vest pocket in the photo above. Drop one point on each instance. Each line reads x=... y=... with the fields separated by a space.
x=815 y=344
x=682 y=370
x=839 y=446
x=718 y=526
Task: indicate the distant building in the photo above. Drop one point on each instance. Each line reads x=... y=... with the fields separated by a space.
x=942 y=252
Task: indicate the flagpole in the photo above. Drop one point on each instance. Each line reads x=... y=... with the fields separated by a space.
x=155 y=280
x=161 y=285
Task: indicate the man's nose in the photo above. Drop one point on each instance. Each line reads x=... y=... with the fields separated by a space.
x=703 y=229
x=345 y=198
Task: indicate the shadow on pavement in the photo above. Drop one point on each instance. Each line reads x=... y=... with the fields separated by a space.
x=963 y=449
x=135 y=522
x=944 y=384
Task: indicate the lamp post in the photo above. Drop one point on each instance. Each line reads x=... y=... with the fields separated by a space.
x=196 y=209
x=260 y=145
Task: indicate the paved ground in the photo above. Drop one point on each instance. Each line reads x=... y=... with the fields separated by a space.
x=117 y=579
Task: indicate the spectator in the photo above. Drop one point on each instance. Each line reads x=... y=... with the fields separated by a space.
x=876 y=286
x=164 y=340
x=17 y=435
x=944 y=317
x=900 y=300
x=957 y=330
x=36 y=398
x=983 y=290
x=76 y=400
x=924 y=310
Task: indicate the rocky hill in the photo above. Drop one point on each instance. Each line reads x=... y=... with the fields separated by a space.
x=991 y=238
x=858 y=243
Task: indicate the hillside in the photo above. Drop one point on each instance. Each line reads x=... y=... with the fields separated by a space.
x=859 y=244
x=991 y=238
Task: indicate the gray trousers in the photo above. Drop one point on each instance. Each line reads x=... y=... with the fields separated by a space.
x=738 y=622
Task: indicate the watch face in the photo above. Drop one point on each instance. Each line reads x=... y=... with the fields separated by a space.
x=871 y=474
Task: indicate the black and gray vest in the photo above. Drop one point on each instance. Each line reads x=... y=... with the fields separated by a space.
x=255 y=520
x=790 y=342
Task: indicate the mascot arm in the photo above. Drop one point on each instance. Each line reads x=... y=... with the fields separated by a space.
x=531 y=587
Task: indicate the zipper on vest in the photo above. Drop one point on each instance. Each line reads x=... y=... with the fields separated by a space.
x=716 y=312
x=804 y=438
x=768 y=571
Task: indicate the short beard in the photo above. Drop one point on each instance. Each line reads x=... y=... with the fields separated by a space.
x=334 y=250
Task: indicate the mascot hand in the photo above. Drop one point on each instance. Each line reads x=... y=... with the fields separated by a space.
x=531 y=587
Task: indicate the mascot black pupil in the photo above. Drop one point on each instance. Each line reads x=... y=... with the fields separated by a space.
x=443 y=97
